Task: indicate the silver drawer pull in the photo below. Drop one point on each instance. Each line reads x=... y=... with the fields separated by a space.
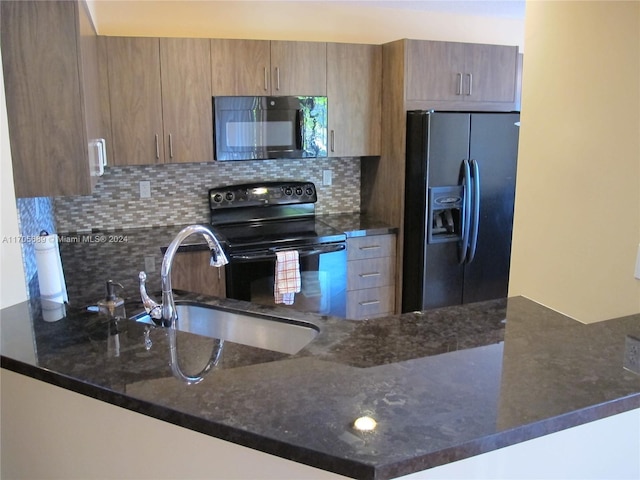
x=369 y=247
x=372 y=274
x=370 y=302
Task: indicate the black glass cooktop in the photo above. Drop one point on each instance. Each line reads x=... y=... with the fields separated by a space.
x=277 y=234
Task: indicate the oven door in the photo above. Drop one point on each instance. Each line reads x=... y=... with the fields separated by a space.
x=254 y=128
x=323 y=278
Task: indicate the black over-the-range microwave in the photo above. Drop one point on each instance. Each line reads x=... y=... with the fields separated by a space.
x=256 y=128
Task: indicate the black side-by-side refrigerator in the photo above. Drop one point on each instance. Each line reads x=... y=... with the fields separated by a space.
x=459 y=200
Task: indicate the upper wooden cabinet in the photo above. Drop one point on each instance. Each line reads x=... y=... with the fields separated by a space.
x=461 y=75
x=263 y=67
x=160 y=100
x=49 y=61
x=354 y=91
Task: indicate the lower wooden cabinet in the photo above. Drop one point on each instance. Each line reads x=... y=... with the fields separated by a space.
x=191 y=272
x=371 y=276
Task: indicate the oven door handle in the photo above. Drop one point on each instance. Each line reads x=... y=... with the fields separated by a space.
x=270 y=254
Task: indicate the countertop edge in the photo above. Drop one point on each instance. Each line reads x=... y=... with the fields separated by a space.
x=511 y=437
x=320 y=460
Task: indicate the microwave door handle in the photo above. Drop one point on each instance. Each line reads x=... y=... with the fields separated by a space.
x=299 y=129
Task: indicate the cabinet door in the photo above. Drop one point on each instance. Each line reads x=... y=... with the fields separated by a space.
x=490 y=73
x=435 y=70
x=186 y=99
x=45 y=98
x=135 y=100
x=354 y=91
x=240 y=67
x=298 y=68
x=191 y=272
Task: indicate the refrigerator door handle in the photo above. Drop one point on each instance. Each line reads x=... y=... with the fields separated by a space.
x=465 y=216
x=475 y=214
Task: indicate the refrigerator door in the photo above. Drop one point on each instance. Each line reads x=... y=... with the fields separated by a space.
x=437 y=145
x=494 y=147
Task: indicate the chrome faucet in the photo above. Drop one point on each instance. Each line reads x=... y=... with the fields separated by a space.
x=166 y=311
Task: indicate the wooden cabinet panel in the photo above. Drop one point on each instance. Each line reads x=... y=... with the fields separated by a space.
x=354 y=91
x=298 y=68
x=460 y=75
x=240 y=67
x=370 y=302
x=491 y=73
x=371 y=276
x=372 y=246
x=191 y=272
x=49 y=57
x=263 y=67
x=435 y=70
x=370 y=273
x=136 y=100
x=186 y=99
x=160 y=100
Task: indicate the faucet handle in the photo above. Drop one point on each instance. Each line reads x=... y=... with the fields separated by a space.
x=153 y=308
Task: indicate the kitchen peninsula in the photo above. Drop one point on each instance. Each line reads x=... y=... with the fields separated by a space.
x=442 y=385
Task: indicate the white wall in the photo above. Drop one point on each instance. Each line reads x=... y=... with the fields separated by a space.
x=577 y=219
x=13 y=288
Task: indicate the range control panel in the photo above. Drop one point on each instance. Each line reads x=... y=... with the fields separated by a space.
x=262 y=194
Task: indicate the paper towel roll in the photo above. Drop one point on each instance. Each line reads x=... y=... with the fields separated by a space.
x=50 y=275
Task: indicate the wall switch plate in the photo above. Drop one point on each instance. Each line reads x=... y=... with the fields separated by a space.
x=326 y=177
x=632 y=354
x=149 y=264
x=145 y=189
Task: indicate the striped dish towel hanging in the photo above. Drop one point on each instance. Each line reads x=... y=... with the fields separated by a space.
x=287 y=277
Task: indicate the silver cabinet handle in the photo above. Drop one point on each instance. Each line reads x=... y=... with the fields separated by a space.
x=157 y=148
x=170 y=146
x=277 y=78
x=266 y=79
x=369 y=247
x=371 y=274
x=459 y=90
x=470 y=75
x=333 y=140
x=370 y=302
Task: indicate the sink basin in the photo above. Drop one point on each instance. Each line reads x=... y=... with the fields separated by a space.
x=279 y=335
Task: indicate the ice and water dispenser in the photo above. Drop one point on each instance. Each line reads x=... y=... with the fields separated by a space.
x=445 y=214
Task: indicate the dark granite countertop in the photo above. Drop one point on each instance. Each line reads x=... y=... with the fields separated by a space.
x=443 y=385
x=357 y=225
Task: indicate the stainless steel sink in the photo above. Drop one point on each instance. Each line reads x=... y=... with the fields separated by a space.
x=280 y=335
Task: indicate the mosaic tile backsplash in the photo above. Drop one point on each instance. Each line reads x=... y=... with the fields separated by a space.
x=179 y=191
x=34 y=216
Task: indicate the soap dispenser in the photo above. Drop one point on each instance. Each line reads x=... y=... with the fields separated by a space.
x=112 y=307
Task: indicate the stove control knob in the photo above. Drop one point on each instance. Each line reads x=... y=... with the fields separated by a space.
x=217 y=197
x=228 y=196
x=298 y=190
x=288 y=191
x=309 y=191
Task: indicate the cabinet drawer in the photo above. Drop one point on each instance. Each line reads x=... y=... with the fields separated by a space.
x=371 y=247
x=370 y=302
x=370 y=273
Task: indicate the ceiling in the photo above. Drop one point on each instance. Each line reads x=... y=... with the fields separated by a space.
x=489 y=8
